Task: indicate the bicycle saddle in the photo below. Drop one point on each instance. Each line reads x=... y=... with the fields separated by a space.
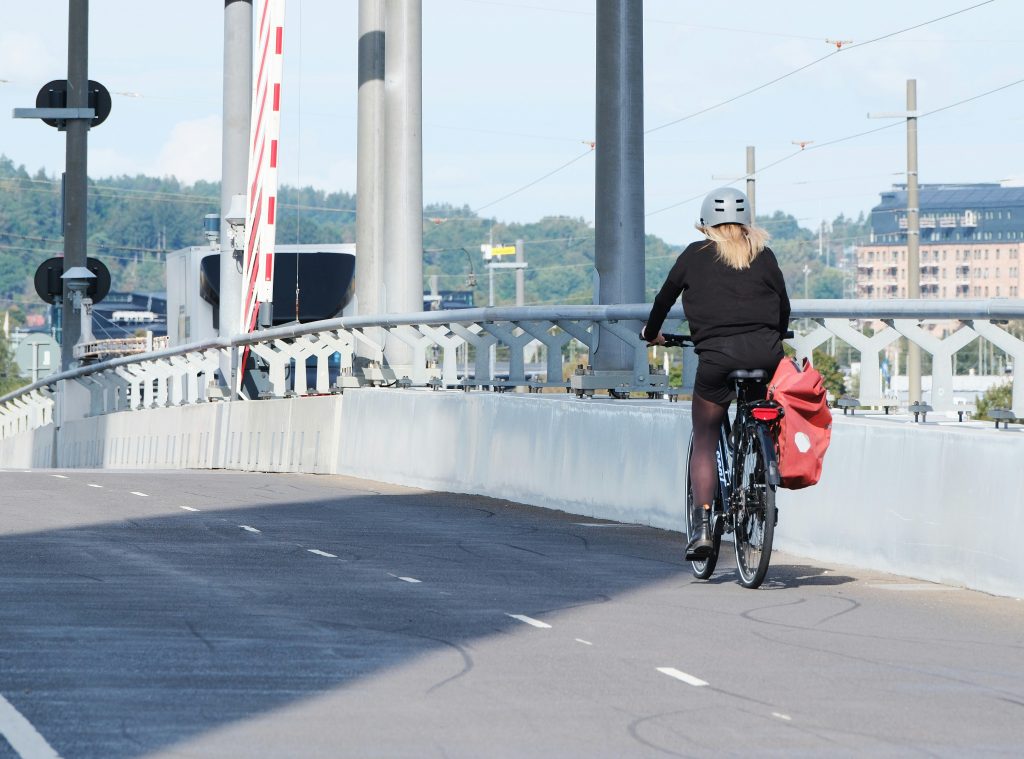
x=756 y=375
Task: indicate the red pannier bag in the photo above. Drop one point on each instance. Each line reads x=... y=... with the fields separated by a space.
x=806 y=427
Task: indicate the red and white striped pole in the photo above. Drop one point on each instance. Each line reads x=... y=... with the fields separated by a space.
x=261 y=194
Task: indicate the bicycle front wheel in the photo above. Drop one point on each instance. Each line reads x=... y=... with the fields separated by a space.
x=755 y=516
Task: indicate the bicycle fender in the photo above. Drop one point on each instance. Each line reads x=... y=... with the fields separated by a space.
x=771 y=461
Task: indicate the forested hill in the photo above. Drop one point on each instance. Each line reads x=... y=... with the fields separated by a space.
x=135 y=221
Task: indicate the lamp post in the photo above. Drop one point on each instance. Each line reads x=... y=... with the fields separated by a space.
x=913 y=231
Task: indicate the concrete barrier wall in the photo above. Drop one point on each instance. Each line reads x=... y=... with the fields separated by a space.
x=936 y=502
x=941 y=503
x=26 y=450
x=605 y=459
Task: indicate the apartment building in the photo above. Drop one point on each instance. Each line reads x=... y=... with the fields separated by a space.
x=972 y=236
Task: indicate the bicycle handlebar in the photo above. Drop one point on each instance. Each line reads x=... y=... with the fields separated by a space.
x=681 y=341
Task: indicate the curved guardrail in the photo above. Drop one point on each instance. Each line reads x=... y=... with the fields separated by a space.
x=453 y=349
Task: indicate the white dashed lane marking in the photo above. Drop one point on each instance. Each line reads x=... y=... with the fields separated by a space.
x=404 y=579
x=144 y=495
x=584 y=642
x=678 y=675
x=247 y=528
x=188 y=508
x=59 y=476
x=785 y=717
x=318 y=552
x=529 y=620
x=21 y=735
x=94 y=485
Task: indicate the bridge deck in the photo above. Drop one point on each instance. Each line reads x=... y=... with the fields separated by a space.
x=226 y=614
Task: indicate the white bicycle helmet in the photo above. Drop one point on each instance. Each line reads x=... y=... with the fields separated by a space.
x=726 y=205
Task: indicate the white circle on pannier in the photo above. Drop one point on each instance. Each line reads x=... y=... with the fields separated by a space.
x=803 y=443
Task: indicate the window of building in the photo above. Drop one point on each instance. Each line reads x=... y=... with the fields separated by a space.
x=997 y=291
x=986 y=291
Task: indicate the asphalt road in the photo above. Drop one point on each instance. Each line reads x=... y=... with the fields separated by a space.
x=213 y=614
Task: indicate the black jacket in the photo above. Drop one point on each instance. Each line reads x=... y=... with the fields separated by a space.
x=719 y=300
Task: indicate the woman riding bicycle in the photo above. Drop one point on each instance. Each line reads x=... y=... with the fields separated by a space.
x=735 y=301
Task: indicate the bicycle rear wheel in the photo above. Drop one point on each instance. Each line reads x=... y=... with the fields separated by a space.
x=755 y=517
x=704 y=568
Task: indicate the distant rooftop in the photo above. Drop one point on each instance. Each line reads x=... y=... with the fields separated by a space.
x=951 y=213
x=955 y=196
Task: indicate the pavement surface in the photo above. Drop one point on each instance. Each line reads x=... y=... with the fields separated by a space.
x=216 y=614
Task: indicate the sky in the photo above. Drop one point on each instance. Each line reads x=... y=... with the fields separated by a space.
x=508 y=97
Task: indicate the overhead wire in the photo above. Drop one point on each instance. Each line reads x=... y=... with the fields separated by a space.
x=739 y=96
x=818 y=146
x=815 y=62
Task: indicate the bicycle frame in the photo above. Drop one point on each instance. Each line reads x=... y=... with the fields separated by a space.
x=728 y=439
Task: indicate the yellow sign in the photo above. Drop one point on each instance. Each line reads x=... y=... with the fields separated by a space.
x=503 y=250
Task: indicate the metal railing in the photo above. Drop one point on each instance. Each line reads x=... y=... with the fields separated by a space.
x=452 y=349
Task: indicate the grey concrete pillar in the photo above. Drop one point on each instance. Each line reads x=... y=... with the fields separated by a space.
x=619 y=185
x=370 y=165
x=237 y=108
x=403 y=151
x=76 y=176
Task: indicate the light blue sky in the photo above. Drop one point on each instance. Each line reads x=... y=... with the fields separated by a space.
x=508 y=96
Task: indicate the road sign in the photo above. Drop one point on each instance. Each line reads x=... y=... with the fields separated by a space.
x=49 y=286
x=496 y=251
x=55 y=95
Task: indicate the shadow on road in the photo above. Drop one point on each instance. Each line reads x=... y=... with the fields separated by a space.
x=122 y=638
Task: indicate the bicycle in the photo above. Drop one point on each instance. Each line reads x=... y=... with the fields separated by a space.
x=748 y=475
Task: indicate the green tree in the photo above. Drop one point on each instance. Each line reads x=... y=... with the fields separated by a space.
x=10 y=379
x=997 y=396
x=831 y=375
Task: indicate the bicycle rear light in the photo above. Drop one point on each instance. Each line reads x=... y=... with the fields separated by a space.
x=766 y=413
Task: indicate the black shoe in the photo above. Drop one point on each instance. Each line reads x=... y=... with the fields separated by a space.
x=700 y=545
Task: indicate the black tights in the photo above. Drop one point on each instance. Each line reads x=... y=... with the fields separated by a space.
x=707 y=419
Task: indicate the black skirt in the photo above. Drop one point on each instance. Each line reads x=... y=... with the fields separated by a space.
x=718 y=356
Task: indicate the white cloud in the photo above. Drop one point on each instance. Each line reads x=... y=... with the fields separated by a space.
x=192 y=152
x=26 y=59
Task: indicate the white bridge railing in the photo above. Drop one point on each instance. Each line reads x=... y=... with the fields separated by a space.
x=453 y=349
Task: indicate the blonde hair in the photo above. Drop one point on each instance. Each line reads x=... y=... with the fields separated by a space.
x=737 y=245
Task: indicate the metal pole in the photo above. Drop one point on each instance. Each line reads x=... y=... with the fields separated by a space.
x=76 y=171
x=751 y=182
x=403 y=158
x=370 y=168
x=520 y=275
x=237 y=105
x=234 y=166
x=492 y=352
x=913 y=239
x=619 y=185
